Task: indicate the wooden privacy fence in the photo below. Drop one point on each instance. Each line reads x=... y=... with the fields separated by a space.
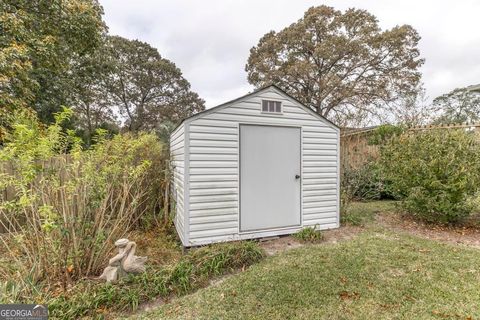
x=355 y=149
x=7 y=193
x=10 y=193
x=56 y=164
x=157 y=199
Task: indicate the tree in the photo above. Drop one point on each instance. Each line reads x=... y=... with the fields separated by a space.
x=39 y=40
x=341 y=64
x=89 y=96
x=16 y=86
x=458 y=106
x=147 y=88
x=412 y=110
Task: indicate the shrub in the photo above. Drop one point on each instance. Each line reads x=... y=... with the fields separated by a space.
x=437 y=173
x=70 y=204
x=309 y=234
x=362 y=184
x=382 y=134
x=366 y=182
x=191 y=272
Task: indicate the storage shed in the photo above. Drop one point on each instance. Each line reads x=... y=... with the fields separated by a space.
x=257 y=166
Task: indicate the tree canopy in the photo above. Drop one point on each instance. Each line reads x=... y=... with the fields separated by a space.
x=56 y=53
x=458 y=106
x=146 y=88
x=89 y=96
x=342 y=64
x=412 y=109
x=39 y=39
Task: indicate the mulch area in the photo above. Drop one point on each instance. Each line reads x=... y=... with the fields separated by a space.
x=284 y=243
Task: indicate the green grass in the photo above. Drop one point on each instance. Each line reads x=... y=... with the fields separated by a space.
x=377 y=275
x=190 y=272
x=363 y=213
x=309 y=234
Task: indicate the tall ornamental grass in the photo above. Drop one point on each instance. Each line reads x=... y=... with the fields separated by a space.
x=62 y=207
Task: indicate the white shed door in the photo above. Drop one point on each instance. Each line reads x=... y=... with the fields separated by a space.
x=269 y=177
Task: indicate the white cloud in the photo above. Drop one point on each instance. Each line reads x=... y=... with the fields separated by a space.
x=210 y=39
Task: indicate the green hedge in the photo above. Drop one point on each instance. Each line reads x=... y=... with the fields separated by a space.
x=436 y=172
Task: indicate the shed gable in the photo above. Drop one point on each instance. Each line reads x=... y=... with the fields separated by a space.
x=251 y=106
x=269 y=93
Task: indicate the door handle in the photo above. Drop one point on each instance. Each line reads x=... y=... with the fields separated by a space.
x=297 y=176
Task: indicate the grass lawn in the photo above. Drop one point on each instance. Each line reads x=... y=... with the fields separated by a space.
x=377 y=275
x=363 y=213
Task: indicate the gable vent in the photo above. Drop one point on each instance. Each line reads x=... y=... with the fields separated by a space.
x=271 y=106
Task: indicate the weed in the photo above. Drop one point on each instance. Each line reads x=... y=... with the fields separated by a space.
x=309 y=234
x=352 y=219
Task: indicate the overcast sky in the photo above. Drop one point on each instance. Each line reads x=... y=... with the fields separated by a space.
x=210 y=39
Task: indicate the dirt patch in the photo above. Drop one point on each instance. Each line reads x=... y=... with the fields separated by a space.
x=280 y=244
x=284 y=243
x=149 y=306
x=458 y=235
x=342 y=234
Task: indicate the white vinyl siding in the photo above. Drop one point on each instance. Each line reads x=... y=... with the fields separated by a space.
x=177 y=151
x=213 y=172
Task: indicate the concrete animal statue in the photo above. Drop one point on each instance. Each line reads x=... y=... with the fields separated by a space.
x=124 y=262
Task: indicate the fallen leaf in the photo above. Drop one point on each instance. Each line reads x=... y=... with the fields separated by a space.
x=344 y=295
x=441 y=314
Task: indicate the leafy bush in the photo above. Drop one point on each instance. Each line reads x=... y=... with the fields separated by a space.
x=362 y=184
x=191 y=272
x=383 y=133
x=437 y=173
x=366 y=182
x=69 y=205
x=309 y=234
